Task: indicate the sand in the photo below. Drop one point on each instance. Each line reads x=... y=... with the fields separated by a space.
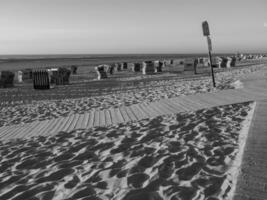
x=180 y=156
x=151 y=92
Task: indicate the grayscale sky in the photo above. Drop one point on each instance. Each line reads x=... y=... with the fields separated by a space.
x=131 y=26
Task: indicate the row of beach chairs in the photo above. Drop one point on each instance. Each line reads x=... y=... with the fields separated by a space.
x=146 y=67
x=48 y=78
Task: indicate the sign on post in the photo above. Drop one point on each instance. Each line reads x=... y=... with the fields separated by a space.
x=209 y=43
x=205 y=28
x=206 y=32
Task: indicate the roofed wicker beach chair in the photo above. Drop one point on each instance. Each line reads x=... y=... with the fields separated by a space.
x=101 y=72
x=148 y=67
x=41 y=79
x=223 y=62
x=190 y=64
x=6 y=79
x=27 y=74
x=74 y=69
x=136 y=67
x=20 y=76
x=124 y=65
x=157 y=66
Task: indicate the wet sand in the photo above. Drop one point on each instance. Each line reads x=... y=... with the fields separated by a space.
x=180 y=156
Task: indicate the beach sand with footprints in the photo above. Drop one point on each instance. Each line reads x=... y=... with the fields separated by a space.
x=179 y=156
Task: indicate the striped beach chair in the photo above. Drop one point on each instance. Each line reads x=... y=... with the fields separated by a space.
x=41 y=79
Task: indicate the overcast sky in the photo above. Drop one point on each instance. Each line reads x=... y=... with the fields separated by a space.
x=131 y=26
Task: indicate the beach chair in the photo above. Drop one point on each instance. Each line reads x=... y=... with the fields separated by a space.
x=41 y=79
x=27 y=74
x=190 y=65
x=6 y=79
x=125 y=65
x=233 y=62
x=118 y=67
x=136 y=67
x=228 y=62
x=148 y=67
x=223 y=62
x=20 y=76
x=111 y=69
x=101 y=72
x=157 y=66
x=74 y=69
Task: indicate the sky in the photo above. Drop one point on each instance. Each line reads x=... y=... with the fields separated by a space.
x=131 y=26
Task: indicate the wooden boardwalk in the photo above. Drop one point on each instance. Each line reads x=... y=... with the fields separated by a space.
x=252 y=179
x=132 y=113
x=254 y=90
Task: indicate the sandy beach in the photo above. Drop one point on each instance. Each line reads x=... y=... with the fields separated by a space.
x=180 y=156
x=151 y=92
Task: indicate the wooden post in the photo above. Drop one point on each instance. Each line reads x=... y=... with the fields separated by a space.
x=206 y=32
x=212 y=73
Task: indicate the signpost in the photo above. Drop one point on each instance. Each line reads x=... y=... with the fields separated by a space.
x=206 y=32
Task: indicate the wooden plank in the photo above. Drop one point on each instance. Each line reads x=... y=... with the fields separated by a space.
x=33 y=127
x=251 y=95
x=124 y=114
x=118 y=115
x=197 y=105
x=5 y=129
x=85 y=121
x=63 y=124
x=74 y=122
x=69 y=121
x=229 y=95
x=102 y=120
x=91 y=119
x=244 y=95
x=162 y=104
x=39 y=127
x=208 y=100
x=130 y=114
x=184 y=106
x=34 y=131
x=18 y=131
x=12 y=131
x=193 y=98
x=79 y=121
x=44 y=126
x=49 y=129
x=138 y=115
x=96 y=118
x=141 y=111
x=108 y=117
x=256 y=93
x=157 y=109
x=177 y=103
x=147 y=109
x=56 y=127
x=172 y=105
x=114 y=119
